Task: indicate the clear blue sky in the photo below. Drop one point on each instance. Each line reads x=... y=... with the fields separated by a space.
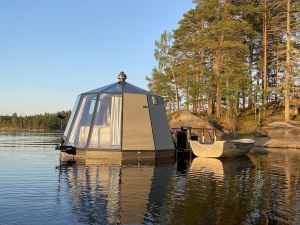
x=53 y=50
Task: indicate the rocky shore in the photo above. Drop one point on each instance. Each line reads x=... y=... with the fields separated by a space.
x=280 y=135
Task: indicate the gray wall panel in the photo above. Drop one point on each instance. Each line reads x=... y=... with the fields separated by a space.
x=160 y=126
x=137 y=132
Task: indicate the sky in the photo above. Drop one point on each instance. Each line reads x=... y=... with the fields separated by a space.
x=53 y=50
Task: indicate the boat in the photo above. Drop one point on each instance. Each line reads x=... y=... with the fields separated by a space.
x=219 y=149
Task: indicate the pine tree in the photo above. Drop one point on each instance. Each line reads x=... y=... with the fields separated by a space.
x=228 y=55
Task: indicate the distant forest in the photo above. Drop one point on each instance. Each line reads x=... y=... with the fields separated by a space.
x=41 y=122
x=228 y=56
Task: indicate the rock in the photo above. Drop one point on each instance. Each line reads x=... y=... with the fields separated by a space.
x=279 y=124
x=280 y=135
x=259 y=150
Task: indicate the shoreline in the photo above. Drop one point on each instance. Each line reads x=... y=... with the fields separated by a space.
x=277 y=143
x=273 y=136
x=19 y=130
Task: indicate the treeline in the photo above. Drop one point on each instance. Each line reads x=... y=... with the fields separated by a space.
x=41 y=122
x=230 y=55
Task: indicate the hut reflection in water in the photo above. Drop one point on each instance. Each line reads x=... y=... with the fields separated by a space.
x=116 y=194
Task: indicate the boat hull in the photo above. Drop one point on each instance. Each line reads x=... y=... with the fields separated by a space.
x=220 y=149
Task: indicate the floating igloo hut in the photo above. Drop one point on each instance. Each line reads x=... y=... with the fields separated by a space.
x=119 y=117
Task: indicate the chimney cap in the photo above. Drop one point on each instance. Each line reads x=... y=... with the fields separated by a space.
x=122 y=77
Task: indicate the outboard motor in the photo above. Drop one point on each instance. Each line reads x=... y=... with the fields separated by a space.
x=181 y=137
x=65 y=148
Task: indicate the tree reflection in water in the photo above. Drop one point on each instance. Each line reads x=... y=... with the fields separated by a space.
x=247 y=190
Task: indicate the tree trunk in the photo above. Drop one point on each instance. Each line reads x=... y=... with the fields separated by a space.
x=187 y=92
x=277 y=74
x=201 y=63
x=244 y=101
x=210 y=109
x=265 y=64
x=176 y=89
x=201 y=74
x=288 y=63
x=258 y=77
x=251 y=58
x=218 y=89
x=218 y=68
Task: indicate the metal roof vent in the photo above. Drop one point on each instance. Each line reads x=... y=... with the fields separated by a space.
x=122 y=77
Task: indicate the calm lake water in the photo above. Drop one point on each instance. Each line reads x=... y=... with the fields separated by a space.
x=35 y=189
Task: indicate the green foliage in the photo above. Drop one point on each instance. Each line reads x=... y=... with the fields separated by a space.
x=214 y=61
x=248 y=124
x=159 y=83
x=46 y=122
x=297 y=118
x=163 y=79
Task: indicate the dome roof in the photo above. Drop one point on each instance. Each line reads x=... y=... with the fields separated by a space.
x=120 y=87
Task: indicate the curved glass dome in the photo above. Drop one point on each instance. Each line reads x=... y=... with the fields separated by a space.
x=118 y=116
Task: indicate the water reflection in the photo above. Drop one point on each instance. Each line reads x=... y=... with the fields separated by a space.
x=245 y=190
x=114 y=194
x=213 y=192
x=262 y=189
x=217 y=169
x=277 y=189
x=255 y=190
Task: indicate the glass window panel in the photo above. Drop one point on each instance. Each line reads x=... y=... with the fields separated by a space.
x=154 y=100
x=106 y=133
x=80 y=131
x=66 y=133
